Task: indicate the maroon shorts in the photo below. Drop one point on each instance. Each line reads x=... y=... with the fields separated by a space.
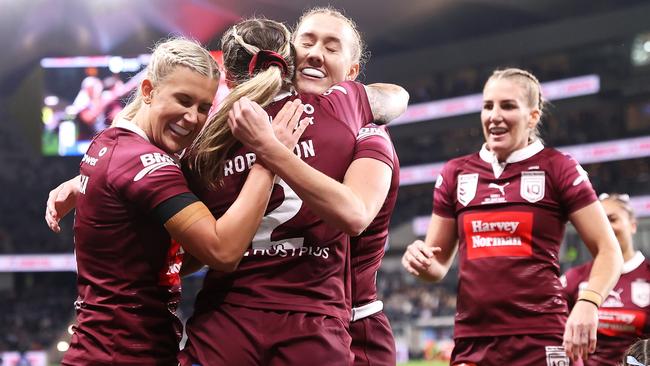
x=372 y=341
x=514 y=350
x=236 y=335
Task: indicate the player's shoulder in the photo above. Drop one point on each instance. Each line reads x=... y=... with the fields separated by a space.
x=553 y=157
x=336 y=91
x=134 y=151
x=373 y=129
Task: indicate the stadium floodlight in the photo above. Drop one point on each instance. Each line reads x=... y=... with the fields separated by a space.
x=640 y=54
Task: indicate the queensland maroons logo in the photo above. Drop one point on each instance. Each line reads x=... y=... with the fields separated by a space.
x=640 y=293
x=533 y=185
x=466 y=188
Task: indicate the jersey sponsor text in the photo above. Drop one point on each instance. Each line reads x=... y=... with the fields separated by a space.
x=498 y=234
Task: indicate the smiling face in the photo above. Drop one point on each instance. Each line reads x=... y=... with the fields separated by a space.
x=623 y=224
x=507 y=117
x=324 y=53
x=178 y=107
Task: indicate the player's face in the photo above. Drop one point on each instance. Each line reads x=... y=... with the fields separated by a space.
x=179 y=107
x=324 y=46
x=623 y=225
x=506 y=117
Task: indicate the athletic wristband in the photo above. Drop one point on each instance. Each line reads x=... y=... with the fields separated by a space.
x=589 y=301
x=590 y=296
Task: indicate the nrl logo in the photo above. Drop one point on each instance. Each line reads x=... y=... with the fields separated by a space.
x=466 y=188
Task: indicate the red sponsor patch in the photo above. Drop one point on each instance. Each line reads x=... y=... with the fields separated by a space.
x=617 y=322
x=498 y=234
x=170 y=274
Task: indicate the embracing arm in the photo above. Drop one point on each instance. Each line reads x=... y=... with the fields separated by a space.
x=387 y=101
x=596 y=232
x=430 y=260
x=350 y=206
x=61 y=201
x=221 y=243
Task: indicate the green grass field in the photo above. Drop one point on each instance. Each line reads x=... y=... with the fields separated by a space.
x=424 y=363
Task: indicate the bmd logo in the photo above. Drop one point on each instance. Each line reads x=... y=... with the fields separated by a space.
x=153 y=162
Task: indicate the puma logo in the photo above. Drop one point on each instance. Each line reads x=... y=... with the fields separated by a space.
x=501 y=188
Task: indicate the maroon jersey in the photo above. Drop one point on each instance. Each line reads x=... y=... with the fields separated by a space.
x=511 y=219
x=367 y=249
x=296 y=261
x=128 y=279
x=624 y=316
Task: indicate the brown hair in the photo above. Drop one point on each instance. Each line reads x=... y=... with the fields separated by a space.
x=239 y=44
x=532 y=88
x=359 y=53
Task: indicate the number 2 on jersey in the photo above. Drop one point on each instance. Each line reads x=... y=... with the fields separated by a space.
x=287 y=210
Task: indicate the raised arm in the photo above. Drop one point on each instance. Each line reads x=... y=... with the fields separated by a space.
x=596 y=232
x=430 y=260
x=387 y=101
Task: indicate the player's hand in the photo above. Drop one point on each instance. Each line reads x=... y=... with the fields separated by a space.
x=286 y=127
x=60 y=202
x=250 y=123
x=418 y=259
x=580 y=332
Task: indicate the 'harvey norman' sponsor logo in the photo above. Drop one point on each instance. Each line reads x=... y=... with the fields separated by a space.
x=482 y=227
x=498 y=234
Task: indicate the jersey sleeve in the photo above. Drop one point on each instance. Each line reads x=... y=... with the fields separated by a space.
x=443 y=192
x=373 y=142
x=147 y=178
x=349 y=102
x=573 y=182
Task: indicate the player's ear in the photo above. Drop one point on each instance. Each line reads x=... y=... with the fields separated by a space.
x=353 y=71
x=146 y=88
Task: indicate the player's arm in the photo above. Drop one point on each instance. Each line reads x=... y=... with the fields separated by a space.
x=61 y=201
x=221 y=243
x=387 y=101
x=190 y=265
x=430 y=260
x=350 y=206
x=596 y=232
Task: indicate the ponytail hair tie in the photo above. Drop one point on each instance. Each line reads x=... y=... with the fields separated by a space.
x=263 y=59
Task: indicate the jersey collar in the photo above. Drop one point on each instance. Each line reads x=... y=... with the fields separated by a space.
x=515 y=157
x=281 y=95
x=128 y=125
x=633 y=263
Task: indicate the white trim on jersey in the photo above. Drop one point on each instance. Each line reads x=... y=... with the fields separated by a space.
x=633 y=263
x=281 y=95
x=516 y=156
x=128 y=125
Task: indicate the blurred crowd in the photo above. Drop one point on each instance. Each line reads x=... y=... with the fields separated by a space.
x=36 y=310
x=407 y=299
